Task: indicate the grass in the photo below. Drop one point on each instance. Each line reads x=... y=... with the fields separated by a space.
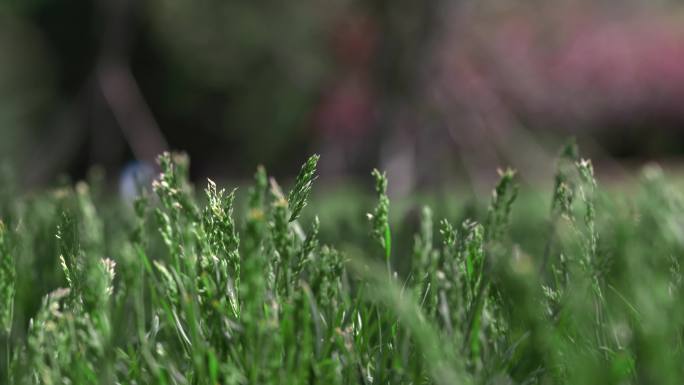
x=179 y=289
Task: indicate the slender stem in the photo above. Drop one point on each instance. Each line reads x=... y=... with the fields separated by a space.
x=388 y=250
x=389 y=269
x=7 y=356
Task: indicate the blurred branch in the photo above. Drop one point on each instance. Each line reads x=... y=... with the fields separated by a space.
x=119 y=87
x=134 y=117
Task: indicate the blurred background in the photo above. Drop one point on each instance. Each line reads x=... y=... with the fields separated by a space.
x=436 y=92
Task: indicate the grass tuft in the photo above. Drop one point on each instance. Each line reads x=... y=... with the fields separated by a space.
x=189 y=290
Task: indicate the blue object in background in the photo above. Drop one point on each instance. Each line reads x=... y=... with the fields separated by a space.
x=136 y=177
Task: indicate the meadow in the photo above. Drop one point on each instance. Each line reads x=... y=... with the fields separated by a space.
x=189 y=287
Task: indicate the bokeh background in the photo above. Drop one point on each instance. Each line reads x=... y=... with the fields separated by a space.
x=436 y=92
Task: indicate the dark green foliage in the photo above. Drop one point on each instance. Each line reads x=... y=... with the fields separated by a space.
x=7 y=293
x=7 y=280
x=181 y=290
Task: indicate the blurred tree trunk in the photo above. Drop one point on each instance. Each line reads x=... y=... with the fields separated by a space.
x=409 y=141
